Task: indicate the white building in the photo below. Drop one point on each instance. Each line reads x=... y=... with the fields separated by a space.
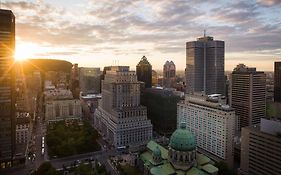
x=60 y=105
x=212 y=122
x=120 y=117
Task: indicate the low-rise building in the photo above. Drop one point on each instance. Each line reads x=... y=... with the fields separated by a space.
x=60 y=105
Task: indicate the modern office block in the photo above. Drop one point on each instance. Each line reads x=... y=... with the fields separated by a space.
x=261 y=148
x=205 y=66
x=7 y=87
x=248 y=95
x=212 y=122
x=120 y=117
x=277 y=81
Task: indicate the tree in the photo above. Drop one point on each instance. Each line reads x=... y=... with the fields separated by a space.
x=46 y=168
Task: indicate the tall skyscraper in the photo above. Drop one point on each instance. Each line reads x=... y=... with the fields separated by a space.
x=212 y=122
x=120 y=117
x=261 y=148
x=248 y=95
x=205 y=66
x=277 y=81
x=144 y=72
x=169 y=74
x=7 y=83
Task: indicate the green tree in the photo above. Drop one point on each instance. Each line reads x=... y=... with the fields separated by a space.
x=46 y=168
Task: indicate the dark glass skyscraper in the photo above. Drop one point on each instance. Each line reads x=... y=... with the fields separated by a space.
x=7 y=83
x=205 y=66
x=277 y=81
x=144 y=72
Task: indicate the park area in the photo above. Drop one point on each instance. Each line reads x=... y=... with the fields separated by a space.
x=66 y=140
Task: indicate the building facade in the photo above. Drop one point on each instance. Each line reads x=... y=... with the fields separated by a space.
x=161 y=109
x=89 y=80
x=205 y=66
x=144 y=72
x=120 y=117
x=248 y=95
x=277 y=81
x=261 y=148
x=212 y=122
x=169 y=74
x=7 y=87
x=60 y=105
x=23 y=128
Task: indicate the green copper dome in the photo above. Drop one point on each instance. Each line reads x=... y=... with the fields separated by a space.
x=182 y=139
x=157 y=152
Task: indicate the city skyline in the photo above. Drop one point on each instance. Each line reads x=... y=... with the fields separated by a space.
x=84 y=33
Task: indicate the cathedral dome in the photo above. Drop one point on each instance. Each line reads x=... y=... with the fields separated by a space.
x=157 y=152
x=182 y=139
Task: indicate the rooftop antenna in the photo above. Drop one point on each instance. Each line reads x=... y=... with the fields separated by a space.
x=204 y=32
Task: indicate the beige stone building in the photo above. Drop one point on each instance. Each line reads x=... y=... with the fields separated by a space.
x=60 y=105
x=120 y=117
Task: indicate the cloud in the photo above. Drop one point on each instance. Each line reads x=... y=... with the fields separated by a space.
x=147 y=26
x=269 y=2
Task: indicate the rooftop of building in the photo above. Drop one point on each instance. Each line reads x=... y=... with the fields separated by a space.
x=243 y=69
x=144 y=61
x=58 y=94
x=271 y=127
x=22 y=117
x=91 y=96
x=5 y=11
x=166 y=168
x=215 y=101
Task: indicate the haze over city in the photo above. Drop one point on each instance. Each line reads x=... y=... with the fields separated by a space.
x=100 y=33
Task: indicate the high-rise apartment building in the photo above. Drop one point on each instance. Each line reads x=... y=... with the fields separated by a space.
x=144 y=72
x=89 y=80
x=277 y=81
x=205 y=66
x=261 y=148
x=248 y=95
x=7 y=83
x=169 y=74
x=120 y=117
x=212 y=122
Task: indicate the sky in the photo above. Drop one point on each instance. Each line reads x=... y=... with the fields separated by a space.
x=98 y=33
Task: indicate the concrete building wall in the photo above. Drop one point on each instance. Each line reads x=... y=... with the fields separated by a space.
x=213 y=126
x=260 y=152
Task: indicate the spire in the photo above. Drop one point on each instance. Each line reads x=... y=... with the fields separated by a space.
x=204 y=32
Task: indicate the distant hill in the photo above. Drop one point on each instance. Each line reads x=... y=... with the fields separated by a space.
x=45 y=65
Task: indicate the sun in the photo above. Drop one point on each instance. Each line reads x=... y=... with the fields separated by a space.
x=25 y=50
